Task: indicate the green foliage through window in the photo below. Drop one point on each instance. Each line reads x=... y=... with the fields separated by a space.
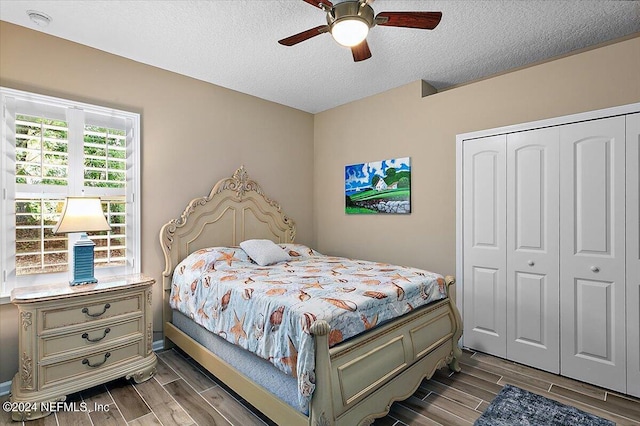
x=104 y=157
x=41 y=151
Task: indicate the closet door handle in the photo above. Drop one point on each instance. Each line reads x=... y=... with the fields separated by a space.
x=595 y=269
x=531 y=263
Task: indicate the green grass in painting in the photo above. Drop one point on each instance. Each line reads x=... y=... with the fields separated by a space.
x=402 y=194
x=358 y=210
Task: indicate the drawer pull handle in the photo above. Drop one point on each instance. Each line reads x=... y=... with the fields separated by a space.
x=86 y=336
x=86 y=361
x=86 y=311
x=595 y=269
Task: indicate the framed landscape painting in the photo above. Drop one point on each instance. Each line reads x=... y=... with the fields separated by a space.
x=378 y=187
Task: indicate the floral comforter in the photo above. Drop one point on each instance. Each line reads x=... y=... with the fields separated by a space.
x=268 y=310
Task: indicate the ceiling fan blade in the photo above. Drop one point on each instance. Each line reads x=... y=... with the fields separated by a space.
x=421 y=20
x=317 y=3
x=305 y=35
x=361 y=51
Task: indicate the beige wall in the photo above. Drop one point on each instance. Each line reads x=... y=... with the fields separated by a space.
x=400 y=123
x=222 y=129
x=193 y=134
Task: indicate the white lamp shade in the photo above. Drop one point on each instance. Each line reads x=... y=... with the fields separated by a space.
x=81 y=214
x=349 y=32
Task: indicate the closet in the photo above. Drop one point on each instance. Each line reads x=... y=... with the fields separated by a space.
x=548 y=245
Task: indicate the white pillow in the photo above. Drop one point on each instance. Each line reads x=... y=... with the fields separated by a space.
x=264 y=252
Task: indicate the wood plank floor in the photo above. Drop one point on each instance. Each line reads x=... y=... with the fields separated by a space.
x=183 y=393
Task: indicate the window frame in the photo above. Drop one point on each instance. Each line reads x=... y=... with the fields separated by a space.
x=86 y=114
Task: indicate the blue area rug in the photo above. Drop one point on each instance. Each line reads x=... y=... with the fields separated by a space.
x=515 y=406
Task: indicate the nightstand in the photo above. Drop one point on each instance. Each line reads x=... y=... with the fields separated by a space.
x=74 y=337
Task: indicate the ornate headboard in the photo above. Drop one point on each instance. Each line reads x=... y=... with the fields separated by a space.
x=235 y=210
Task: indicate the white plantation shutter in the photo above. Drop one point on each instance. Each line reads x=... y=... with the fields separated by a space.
x=41 y=150
x=41 y=179
x=37 y=250
x=52 y=148
x=105 y=153
x=104 y=174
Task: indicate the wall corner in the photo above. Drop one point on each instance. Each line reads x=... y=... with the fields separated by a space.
x=427 y=89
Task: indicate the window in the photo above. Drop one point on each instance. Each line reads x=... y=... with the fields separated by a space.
x=53 y=148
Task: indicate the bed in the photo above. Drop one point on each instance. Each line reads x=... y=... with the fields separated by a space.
x=354 y=378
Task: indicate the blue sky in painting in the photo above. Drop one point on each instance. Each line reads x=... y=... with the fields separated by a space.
x=358 y=176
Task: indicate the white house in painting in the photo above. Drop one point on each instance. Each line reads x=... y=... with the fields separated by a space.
x=382 y=185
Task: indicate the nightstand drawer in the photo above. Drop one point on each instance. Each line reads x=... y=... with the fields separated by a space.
x=90 y=336
x=90 y=310
x=79 y=368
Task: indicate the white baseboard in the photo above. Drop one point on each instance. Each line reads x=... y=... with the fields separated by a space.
x=158 y=345
x=5 y=388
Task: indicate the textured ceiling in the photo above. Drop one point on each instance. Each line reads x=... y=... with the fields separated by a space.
x=234 y=43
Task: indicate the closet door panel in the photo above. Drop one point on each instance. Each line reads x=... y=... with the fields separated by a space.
x=528 y=311
x=484 y=245
x=592 y=257
x=594 y=331
x=532 y=248
x=633 y=254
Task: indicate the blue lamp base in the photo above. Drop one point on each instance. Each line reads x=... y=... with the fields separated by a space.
x=83 y=261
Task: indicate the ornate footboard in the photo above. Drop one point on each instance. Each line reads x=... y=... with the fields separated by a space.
x=358 y=380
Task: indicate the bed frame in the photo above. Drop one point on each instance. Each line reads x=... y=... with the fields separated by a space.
x=357 y=380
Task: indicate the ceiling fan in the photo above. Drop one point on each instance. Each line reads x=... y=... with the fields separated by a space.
x=349 y=23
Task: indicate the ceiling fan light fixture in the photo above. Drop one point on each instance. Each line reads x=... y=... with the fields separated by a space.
x=349 y=32
x=349 y=22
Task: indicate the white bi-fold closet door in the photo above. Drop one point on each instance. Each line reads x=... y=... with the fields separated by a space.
x=546 y=251
x=592 y=257
x=485 y=255
x=511 y=247
x=532 y=248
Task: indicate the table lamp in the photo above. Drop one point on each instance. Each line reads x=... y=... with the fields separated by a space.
x=82 y=214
